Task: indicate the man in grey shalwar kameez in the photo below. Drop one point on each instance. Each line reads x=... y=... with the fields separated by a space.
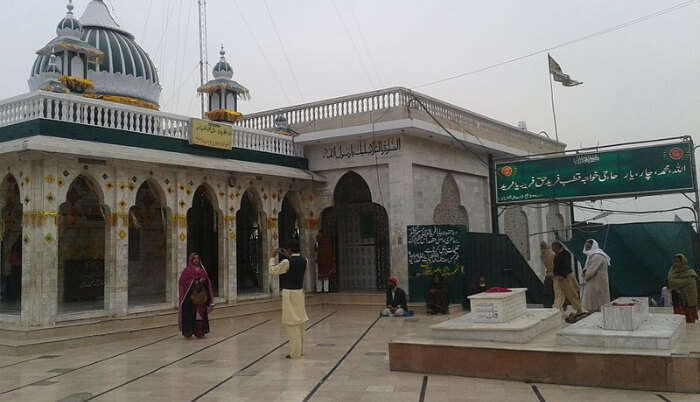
x=596 y=289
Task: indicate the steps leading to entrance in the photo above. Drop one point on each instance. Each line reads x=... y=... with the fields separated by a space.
x=81 y=332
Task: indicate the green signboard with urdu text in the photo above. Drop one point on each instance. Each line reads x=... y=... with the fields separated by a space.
x=628 y=172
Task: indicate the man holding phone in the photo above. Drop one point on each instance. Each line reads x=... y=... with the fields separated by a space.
x=291 y=270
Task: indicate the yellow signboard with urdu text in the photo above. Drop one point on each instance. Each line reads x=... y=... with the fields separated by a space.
x=210 y=134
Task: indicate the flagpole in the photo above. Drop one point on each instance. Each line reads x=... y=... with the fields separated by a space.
x=554 y=113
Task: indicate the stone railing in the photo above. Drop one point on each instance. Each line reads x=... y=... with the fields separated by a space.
x=81 y=110
x=374 y=101
x=331 y=108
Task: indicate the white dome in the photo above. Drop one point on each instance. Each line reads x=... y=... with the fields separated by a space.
x=125 y=70
x=223 y=69
x=69 y=25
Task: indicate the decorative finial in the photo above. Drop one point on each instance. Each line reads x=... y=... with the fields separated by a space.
x=222 y=52
x=70 y=7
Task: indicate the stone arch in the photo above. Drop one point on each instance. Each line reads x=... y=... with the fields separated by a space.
x=11 y=228
x=251 y=243
x=351 y=188
x=148 y=257
x=210 y=193
x=359 y=231
x=450 y=211
x=205 y=234
x=517 y=228
x=83 y=239
x=92 y=182
x=156 y=186
x=289 y=224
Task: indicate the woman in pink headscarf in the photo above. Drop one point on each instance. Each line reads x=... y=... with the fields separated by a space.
x=196 y=299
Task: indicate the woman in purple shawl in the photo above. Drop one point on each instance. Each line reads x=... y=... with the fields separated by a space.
x=196 y=299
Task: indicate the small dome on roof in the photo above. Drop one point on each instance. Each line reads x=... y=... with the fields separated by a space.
x=222 y=69
x=123 y=68
x=69 y=25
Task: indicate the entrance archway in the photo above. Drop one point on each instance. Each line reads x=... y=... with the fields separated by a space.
x=81 y=248
x=249 y=244
x=288 y=223
x=359 y=229
x=203 y=232
x=148 y=247
x=10 y=247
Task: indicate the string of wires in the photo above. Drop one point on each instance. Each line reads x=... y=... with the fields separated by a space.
x=549 y=201
x=618 y=27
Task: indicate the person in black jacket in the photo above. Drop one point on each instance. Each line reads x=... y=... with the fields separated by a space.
x=565 y=285
x=291 y=271
x=395 y=300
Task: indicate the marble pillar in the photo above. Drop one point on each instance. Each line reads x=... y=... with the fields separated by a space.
x=401 y=214
x=120 y=198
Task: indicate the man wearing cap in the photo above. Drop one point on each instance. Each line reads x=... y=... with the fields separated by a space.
x=395 y=300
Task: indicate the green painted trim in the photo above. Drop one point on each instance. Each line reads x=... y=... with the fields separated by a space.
x=61 y=129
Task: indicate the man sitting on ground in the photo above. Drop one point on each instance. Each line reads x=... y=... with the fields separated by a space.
x=395 y=300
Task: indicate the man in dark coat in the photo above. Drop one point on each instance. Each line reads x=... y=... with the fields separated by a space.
x=564 y=281
x=395 y=300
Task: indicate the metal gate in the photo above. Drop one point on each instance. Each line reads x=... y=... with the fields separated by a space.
x=360 y=236
x=495 y=257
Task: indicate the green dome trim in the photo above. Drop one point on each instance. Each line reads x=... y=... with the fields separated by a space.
x=121 y=54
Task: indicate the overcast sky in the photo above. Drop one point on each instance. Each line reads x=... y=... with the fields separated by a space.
x=641 y=82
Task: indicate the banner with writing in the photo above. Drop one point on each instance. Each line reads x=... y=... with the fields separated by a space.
x=209 y=134
x=630 y=172
x=431 y=249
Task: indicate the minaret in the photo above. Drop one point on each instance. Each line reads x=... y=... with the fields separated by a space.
x=223 y=92
x=71 y=53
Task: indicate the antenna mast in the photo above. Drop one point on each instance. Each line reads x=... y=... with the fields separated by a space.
x=203 y=61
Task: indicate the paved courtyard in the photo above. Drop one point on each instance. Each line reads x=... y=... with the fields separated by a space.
x=242 y=359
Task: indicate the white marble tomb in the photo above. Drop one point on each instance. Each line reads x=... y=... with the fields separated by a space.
x=499 y=317
x=498 y=307
x=625 y=323
x=625 y=313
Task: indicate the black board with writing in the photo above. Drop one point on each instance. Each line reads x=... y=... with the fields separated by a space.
x=435 y=248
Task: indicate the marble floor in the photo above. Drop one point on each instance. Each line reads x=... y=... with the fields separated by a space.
x=243 y=360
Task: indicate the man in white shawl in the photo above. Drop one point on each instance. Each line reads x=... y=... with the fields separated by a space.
x=596 y=289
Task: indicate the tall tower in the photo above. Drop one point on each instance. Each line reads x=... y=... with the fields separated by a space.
x=203 y=62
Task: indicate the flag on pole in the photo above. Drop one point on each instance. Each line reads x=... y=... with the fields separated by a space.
x=559 y=76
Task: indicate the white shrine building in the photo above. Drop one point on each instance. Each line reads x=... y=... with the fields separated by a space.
x=102 y=195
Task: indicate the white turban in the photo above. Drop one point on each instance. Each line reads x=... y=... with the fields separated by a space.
x=595 y=249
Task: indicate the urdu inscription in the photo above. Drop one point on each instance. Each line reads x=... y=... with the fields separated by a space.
x=375 y=148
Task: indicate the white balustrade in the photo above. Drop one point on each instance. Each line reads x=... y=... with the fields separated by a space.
x=81 y=110
x=368 y=102
x=332 y=108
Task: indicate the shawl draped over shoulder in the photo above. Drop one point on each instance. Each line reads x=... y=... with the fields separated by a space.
x=684 y=280
x=187 y=279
